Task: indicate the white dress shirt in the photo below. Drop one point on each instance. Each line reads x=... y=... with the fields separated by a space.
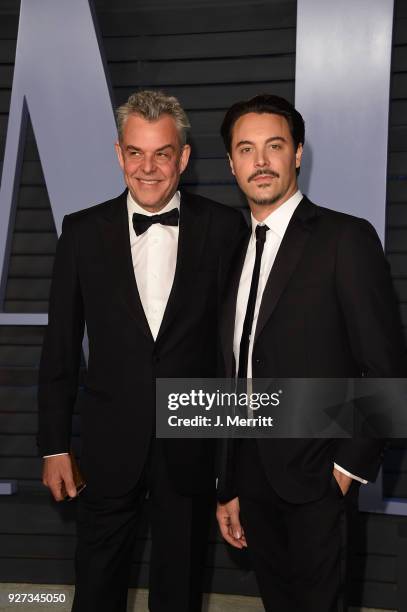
x=154 y=256
x=277 y=222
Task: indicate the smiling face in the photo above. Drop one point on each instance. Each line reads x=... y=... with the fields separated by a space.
x=152 y=160
x=264 y=161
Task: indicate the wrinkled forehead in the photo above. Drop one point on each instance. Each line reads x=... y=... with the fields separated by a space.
x=150 y=134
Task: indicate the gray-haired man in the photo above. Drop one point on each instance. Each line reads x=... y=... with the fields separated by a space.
x=141 y=272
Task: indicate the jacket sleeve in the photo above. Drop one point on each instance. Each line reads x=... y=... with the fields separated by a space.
x=61 y=352
x=372 y=320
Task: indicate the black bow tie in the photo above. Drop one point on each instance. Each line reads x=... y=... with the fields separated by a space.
x=141 y=223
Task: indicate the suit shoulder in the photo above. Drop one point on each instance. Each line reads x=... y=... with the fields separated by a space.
x=82 y=216
x=221 y=211
x=344 y=222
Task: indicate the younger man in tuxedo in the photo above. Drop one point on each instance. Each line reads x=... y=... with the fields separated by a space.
x=311 y=297
x=141 y=271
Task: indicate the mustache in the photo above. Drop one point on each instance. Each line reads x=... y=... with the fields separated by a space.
x=263 y=173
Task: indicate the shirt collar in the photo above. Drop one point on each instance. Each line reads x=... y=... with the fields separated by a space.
x=133 y=207
x=279 y=219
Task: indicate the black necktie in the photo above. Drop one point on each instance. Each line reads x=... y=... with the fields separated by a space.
x=141 y=223
x=251 y=303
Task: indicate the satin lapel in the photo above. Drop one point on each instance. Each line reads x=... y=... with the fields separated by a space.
x=288 y=257
x=231 y=278
x=193 y=225
x=114 y=229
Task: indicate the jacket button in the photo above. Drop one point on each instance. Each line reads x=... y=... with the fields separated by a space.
x=156 y=358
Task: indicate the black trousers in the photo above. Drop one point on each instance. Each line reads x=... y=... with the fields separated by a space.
x=299 y=552
x=106 y=534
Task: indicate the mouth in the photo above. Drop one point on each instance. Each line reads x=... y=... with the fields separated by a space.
x=263 y=181
x=263 y=177
x=148 y=181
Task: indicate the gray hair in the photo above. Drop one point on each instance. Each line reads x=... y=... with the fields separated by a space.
x=151 y=105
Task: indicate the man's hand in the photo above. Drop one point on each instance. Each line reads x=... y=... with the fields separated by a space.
x=229 y=523
x=57 y=471
x=343 y=481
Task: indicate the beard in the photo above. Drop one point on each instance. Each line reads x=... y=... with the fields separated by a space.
x=267 y=201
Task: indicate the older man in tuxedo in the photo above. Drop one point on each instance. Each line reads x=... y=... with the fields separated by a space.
x=141 y=271
x=310 y=294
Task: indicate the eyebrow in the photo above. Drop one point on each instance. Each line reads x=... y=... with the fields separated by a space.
x=167 y=146
x=249 y=142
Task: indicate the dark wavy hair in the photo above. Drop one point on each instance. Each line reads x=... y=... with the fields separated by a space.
x=264 y=103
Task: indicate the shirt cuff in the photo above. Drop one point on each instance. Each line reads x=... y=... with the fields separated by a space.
x=341 y=469
x=56 y=455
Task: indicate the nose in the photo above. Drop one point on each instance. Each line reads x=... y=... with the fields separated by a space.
x=148 y=165
x=261 y=159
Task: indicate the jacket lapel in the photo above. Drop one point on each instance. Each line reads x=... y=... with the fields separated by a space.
x=230 y=279
x=193 y=225
x=114 y=229
x=287 y=259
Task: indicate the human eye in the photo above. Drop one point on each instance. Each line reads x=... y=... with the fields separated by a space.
x=135 y=153
x=275 y=146
x=163 y=155
x=245 y=150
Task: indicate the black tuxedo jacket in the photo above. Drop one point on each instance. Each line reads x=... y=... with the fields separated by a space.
x=94 y=284
x=328 y=311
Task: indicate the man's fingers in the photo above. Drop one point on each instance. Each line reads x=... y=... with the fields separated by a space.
x=224 y=526
x=227 y=534
x=56 y=490
x=58 y=477
x=224 y=530
x=63 y=487
x=229 y=524
x=235 y=526
x=69 y=487
x=233 y=542
x=236 y=532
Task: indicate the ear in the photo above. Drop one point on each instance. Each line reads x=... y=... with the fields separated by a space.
x=231 y=165
x=119 y=154
x=298 y=156
x=184 y=158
